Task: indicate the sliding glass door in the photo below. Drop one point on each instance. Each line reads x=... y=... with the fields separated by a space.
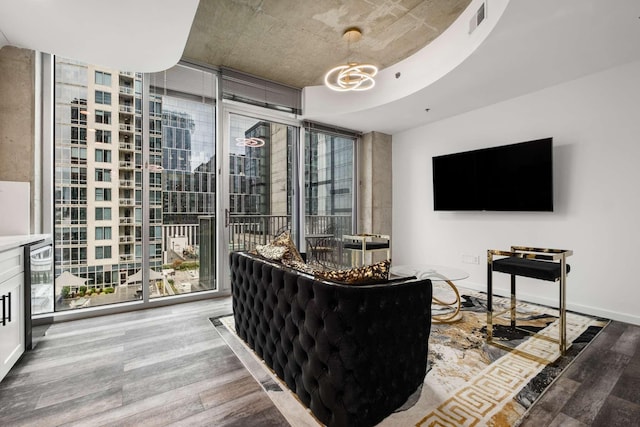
x=182 y=193
x=261 y=176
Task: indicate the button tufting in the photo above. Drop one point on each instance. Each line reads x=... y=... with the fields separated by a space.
x=332 y=345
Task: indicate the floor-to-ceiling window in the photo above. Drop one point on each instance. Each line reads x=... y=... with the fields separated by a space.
x=329 y=165
x=182 y=227
x=98 y=187
x=134 y=204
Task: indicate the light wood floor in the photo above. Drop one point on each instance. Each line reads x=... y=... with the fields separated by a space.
x=162 y=366
x=170 y=366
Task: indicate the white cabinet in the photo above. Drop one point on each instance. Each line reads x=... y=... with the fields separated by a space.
x=11 y=308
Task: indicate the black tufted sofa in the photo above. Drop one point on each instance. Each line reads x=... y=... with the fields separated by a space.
x=352 y=353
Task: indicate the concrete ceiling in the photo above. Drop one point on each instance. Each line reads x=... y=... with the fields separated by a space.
x=295 y=42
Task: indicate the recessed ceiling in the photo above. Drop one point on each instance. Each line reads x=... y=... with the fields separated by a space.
x=296 y=42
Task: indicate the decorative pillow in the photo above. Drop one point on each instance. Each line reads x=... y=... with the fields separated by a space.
x=274 y=253
x=375 y=273
x=300 y=266
x=284 y=240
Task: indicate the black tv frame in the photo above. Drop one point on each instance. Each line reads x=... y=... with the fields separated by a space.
x=514 y=177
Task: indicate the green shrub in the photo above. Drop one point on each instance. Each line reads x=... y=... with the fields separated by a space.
x=65 y=292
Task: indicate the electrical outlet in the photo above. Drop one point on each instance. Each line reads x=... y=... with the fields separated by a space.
x=470 y=259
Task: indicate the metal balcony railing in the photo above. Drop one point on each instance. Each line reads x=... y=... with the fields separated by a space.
x=247 y=231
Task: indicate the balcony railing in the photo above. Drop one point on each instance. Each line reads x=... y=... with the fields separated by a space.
x=124 y=220
x=247 y=231
x=126 y=109
x=126 y=146
x=126 y=90
x=125 y=164
x=126 y=239
x=125 y=127
x=126 y=183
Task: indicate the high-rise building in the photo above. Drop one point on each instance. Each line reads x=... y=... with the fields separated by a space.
x=98 y=178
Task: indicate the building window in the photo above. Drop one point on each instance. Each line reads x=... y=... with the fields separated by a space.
x=103 y=117
x=71 y=195
x=78 y=156
x=103 y=136
x=103 y=233
x=103 y=97
x=103 y=214
x=103 y=78
x=78 y=175
x=103 y=175
x=71 y=235
x=103 y=156
x=103 y=194
x=78 y=135
x=103 y=252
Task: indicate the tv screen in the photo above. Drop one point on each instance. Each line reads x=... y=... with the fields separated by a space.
x=515 y=177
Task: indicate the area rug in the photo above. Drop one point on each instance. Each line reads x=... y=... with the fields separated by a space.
x=468 y=383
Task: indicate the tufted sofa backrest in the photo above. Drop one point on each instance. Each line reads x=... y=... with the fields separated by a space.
x=352 y=354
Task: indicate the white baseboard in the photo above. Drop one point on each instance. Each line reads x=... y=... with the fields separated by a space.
x=578 y=308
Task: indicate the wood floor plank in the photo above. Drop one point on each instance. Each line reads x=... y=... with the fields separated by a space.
x=201 y=367
x=170 y=412
x=544 y=411
x=80 y=386
x=65 y=412
x=618 y=412
x=628 y=342
x=157 y=402
x=562 y=420
x=243 y=410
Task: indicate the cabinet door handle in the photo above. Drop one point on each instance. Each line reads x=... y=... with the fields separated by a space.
x=9 y=310
x=4 y=310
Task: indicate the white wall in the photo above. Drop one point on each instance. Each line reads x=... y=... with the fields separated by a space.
x=595 y=124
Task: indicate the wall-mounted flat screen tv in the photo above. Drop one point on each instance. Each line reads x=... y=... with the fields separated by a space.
x=514 y=177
